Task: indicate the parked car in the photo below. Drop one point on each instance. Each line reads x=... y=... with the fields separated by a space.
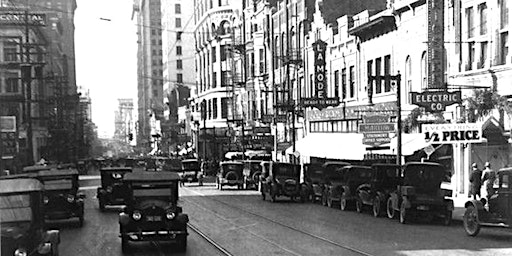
x=61 y=197
x=282 y=179
x=252 y=173
x=375 y=193
x=113 y=190
x=190 y=169
x=494 y=213
x=22 y=219
x=332 y=177
x=341 y=185
x=314 y=179
x=230 y=174
x=152 y=212
x=420 y=194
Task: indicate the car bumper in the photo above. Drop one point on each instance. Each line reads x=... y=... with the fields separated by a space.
x=161 y=235
x=61 y=215
x=231 y=182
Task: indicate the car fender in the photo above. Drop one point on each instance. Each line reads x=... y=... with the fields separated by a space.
x=394 y=200
x=382 y=196
x=124 y=218
x=478 y=205
x=52 y=236
x=183 y=218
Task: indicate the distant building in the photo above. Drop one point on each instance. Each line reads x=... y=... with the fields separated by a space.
x=124 y=122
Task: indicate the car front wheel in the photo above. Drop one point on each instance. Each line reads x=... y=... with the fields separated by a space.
x=404 y=214
x=470 y=220
x=390 y=209
x=376 y=207
x=359 y=205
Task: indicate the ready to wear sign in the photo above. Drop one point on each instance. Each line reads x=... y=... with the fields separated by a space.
x=452 y=133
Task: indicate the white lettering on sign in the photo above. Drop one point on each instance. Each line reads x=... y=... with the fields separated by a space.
x=452 y=133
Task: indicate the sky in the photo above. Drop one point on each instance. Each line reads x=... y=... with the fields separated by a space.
x=106 y=57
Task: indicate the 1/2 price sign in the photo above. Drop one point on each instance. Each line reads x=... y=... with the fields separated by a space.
x=452 y=133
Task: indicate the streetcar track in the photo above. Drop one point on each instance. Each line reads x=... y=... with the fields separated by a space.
x=326 y=240
x=209 y=240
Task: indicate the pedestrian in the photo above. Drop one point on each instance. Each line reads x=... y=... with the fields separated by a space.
x=488 y=180
x=475 y=178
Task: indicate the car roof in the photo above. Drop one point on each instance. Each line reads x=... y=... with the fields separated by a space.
x=113 y=169
x=20 y=185
x=230 y=162
x=55 y=172
x=151 y=176
x=385 y=165
x=423 y=163
x=506 y=169
x=189 y=160
x=335 y=163
x=356 y=166
x=36 y=168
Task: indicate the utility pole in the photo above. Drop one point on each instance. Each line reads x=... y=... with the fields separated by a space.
x=288 y=83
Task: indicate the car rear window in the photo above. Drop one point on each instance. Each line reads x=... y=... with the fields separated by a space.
x=60 y=184
x=232 y=167
x=15 y=208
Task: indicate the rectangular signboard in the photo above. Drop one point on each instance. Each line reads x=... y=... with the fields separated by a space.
x=376 y=141
x=367 y=119
x=377 y=128
x=258 y=130
x=452 y=133
x=7 y=123
x=22 y=18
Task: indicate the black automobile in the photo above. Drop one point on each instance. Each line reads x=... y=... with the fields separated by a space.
x=375 y=193
x=22 y=219
x=282 y=179
x=252 y=173
x=331 y=179
x=152 y=212
x=190 y=169
x=493 y=213
x=113 y=189
x=230 y=174
x=61 y=197
x=420 y=194
x=314 y=178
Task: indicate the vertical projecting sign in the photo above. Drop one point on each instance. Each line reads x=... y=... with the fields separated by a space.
x=320 y=99
x=435 y=46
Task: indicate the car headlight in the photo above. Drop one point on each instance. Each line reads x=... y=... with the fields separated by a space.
x=20 y=252
x=170 y=215
x=136 y=215
x=109 y=189
x=46 y=200
x=71 y=198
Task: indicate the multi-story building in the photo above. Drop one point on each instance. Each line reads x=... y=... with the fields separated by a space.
x=147 y=16
x=124 y=127
x=38 y=80
x=178 y=74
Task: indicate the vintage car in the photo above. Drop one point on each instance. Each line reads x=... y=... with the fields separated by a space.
x=190 y=169
x=61 y=197
x=314 y=178
x=331 y=177
x=37 y=168
x=252 y=173
x=341 y=185
x=152 y=212
x=22 y=219
x=494 y=213
x=375 y=193
x=420 y=194
x=230 y=174
x=282 y=179
x=113 y=189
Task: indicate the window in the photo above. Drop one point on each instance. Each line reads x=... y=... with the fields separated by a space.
x=471 y=56
x=503 y=50
x=179 y=78
x=311 y=86
x=469 y=22
x=224 y=79
x=344 y=83
x=178 y=35
x=369 y=71
x=378 y=69
x=178 y=50
x=214 y=80
x=224 y=104
x=179 y=64
x=214 y=54
x=408 y=77
x=483 y=54
x=222 y=53
x=178 y=22
x=10 y=52
x=387 y=72
x=251 y=65
x=352 y=76
x=214 y=108
x=210 y=109
x=177 y=8
x=423 y=70
x=12 y=85
x=336 y=83
x=262 y=61
x=482 y=11
x=503 y=14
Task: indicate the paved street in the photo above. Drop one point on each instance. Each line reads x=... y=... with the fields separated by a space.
x=243 y=224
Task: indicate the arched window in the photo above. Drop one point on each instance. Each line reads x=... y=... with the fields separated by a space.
x=407 y=77
x=224 y=28
x=424 y=70
x=214 y=29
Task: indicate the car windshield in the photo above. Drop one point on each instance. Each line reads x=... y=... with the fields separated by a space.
x=15 y=208
x=284 y=170
x=58 y=184
x=314 y=171
x=232 y=167
x=418 y=174
x=190 y=165
x=255 y=166
x=157 y=190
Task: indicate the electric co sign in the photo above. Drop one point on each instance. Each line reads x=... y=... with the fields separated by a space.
x=452 y=133
x=435 y=101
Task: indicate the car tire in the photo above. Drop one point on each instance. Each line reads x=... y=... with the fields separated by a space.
x=272 y=196
x=470 y=221
x=329 y=201
x=343 y=204
x=324 y=199
x=389 y=209
x=125 y=246
x=359 y=205
x=376 y=207
x=404 y=214
x=263 y=196
x=55 y=250
x=101 y=205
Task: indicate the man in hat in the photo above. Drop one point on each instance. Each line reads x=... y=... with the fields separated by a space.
x=475 y=178
x=488 y=179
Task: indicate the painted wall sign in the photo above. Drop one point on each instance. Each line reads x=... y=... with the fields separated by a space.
x=436 y=101
x=18 y=18
x=452 y=133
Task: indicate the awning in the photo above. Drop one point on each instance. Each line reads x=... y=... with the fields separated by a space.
x=343 y=146
x=411 y=142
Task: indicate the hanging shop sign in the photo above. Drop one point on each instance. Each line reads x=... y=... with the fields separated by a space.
x=320 y=100
x=436 y=46
x=376 y=129
x=436 y=101
x=452 y=133
x=21 y=18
